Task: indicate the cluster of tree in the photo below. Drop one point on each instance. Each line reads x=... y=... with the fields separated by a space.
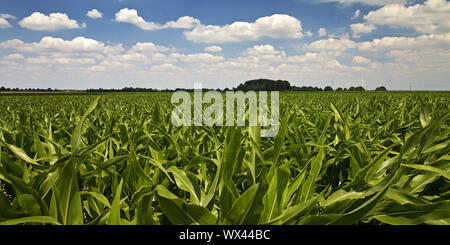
x=3 y=89
x=264 y=85
x=306 y=88
x=131 y=89
x=125 y=89
x=282 y=85
x=359 y=88
x=382 y=88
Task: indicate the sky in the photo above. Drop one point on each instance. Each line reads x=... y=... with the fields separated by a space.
x=399 y=44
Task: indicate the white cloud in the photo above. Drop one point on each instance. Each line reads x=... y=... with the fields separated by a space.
x=14 y=56
x=368 y=2
x=52 y=22
x=359 y=28
x=131 y=16
x=262 y=54
x=309 y=34
x=131 y=58
x=4 y=22
x=52 y=44
x=197 y=58
x=7 y=16
x=382 y=44
x=332 y=44
x=361 y=60
x=430 y=17
x=213 y=49
x=356 y=14
x=148 y=48
x=97 y=68
x=258 y=50
x=420 y=42
x=311 y=58
x=166 y=68
x=322 y=32
x=433 y=59
x=275 y=26
x=185 y=22
x=44 y=60
x=94 y=14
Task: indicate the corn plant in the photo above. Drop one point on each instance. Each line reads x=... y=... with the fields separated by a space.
x=116 y=159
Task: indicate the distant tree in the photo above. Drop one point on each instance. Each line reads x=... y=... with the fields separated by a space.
x=2 y=89
x=339 y=89
x=328 y=88
x=359 y=88
x=265 y=85
x=381 y=88
x=306 y=88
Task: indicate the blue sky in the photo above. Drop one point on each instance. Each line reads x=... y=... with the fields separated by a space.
x=175 y=43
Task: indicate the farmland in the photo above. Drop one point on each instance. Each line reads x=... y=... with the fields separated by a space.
x=115 y=158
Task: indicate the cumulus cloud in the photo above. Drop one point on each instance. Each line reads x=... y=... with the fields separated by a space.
x=361 y=60
x=359 y=28
x=332 y=44
x=213 y=49
x=185 y=22
x=275 y=26
x=52 y=44
x=7 y=16
x=433 y=59
x=258 y=50
x=4 y=22
x=381 y=44
x=14 y=56
x=94 y=14
x=316 y=58
x=420 y=42
x=322 y=32
x=44 y=60
x=197 y=58
x=52 y=22
x=148 y=48
x=131 y=16
x=166 y=68
x=429 y=17
x=356 y=14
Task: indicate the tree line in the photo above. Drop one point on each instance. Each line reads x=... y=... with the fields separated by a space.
x=255 y=85
x=282 y=85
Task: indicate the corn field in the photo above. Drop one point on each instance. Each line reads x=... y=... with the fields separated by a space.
x=116 y=159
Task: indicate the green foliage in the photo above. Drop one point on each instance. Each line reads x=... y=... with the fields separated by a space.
x=265 y=85
x=339 y=158
x=381 y=88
